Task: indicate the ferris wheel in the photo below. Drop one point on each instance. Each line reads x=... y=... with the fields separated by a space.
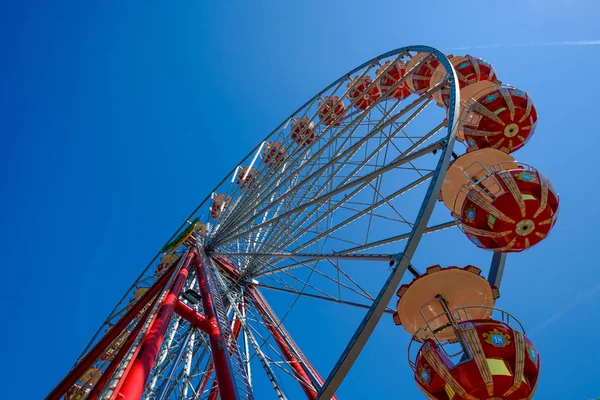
x=350 y=181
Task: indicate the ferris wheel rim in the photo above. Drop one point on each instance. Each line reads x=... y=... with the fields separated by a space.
x=186 y=222
x=448 y=66
x=435 y=183
x=446 y=146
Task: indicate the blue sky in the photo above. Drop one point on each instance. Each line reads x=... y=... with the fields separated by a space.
x=117 y=118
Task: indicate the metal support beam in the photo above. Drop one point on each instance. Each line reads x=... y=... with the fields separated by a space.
x=265 y=364
x=218 y=346
x=192 y=316
x=163 y=394
x=333 y=256
x=86 y=361
x=235 y=328
x=165 y=351
x=133 y=384
x=378 y=243
x=187 y=369
x=297 y=362
x=497 y=269
x=121 y=353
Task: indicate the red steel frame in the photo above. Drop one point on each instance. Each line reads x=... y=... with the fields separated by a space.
x=301 y=369
x=275 y=327
x=192 y=316
x=122 y=352
x=218 y=346
x=214 y=390
x=86 y=362
x=131 y=384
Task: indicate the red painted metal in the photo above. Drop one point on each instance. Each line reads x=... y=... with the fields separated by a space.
x=214 y=391
x=209 y=372
x=217 y=343
x=237 y=325
x=192 y=316
x=292 y=360
x=300 y=368
x=123 y=350
x=131 y=359
x=493 y=340
x=132 y=386
x=86 y=362
x=227 y=267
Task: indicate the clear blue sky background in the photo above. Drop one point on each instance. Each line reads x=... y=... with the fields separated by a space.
x=118 y=117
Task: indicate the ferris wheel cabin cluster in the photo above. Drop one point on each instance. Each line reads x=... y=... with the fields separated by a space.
x=501 y=205
x=468 y=349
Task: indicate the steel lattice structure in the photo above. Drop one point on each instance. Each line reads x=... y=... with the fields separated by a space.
x=197 y=324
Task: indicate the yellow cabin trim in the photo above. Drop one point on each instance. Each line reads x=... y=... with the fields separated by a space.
x=449 y=392
x=498 y=367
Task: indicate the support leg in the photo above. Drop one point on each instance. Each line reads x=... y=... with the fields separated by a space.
x=133 y=386
x=121 y=353
x=237 y=325
x=218 y=346
x=87 y=360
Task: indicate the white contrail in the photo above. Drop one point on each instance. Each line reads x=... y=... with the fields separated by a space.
x=558 y=313
x=495 y=46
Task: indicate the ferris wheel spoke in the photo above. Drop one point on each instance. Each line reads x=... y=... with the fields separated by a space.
x=350 y=151
x=204 y=377
x=301 y=231
x=272 y=353
x=167 y=384
x=265 y=364
x=401 y=219
x=325 y=298
x=367 y=246
x=297 y=285
x=397 y=238
x=189 y=372
x=280 y=365
x=341 y=165
x=282 y=281
x=323 y=186
x=290 y=177
x=425 y=137
x=376 y=193
x=365 y=178
x=259 y=350
x=304 y=283
x=412 y=166
x=264 y=339
x=317 y=272
x=347 y=276
x=311 y=256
